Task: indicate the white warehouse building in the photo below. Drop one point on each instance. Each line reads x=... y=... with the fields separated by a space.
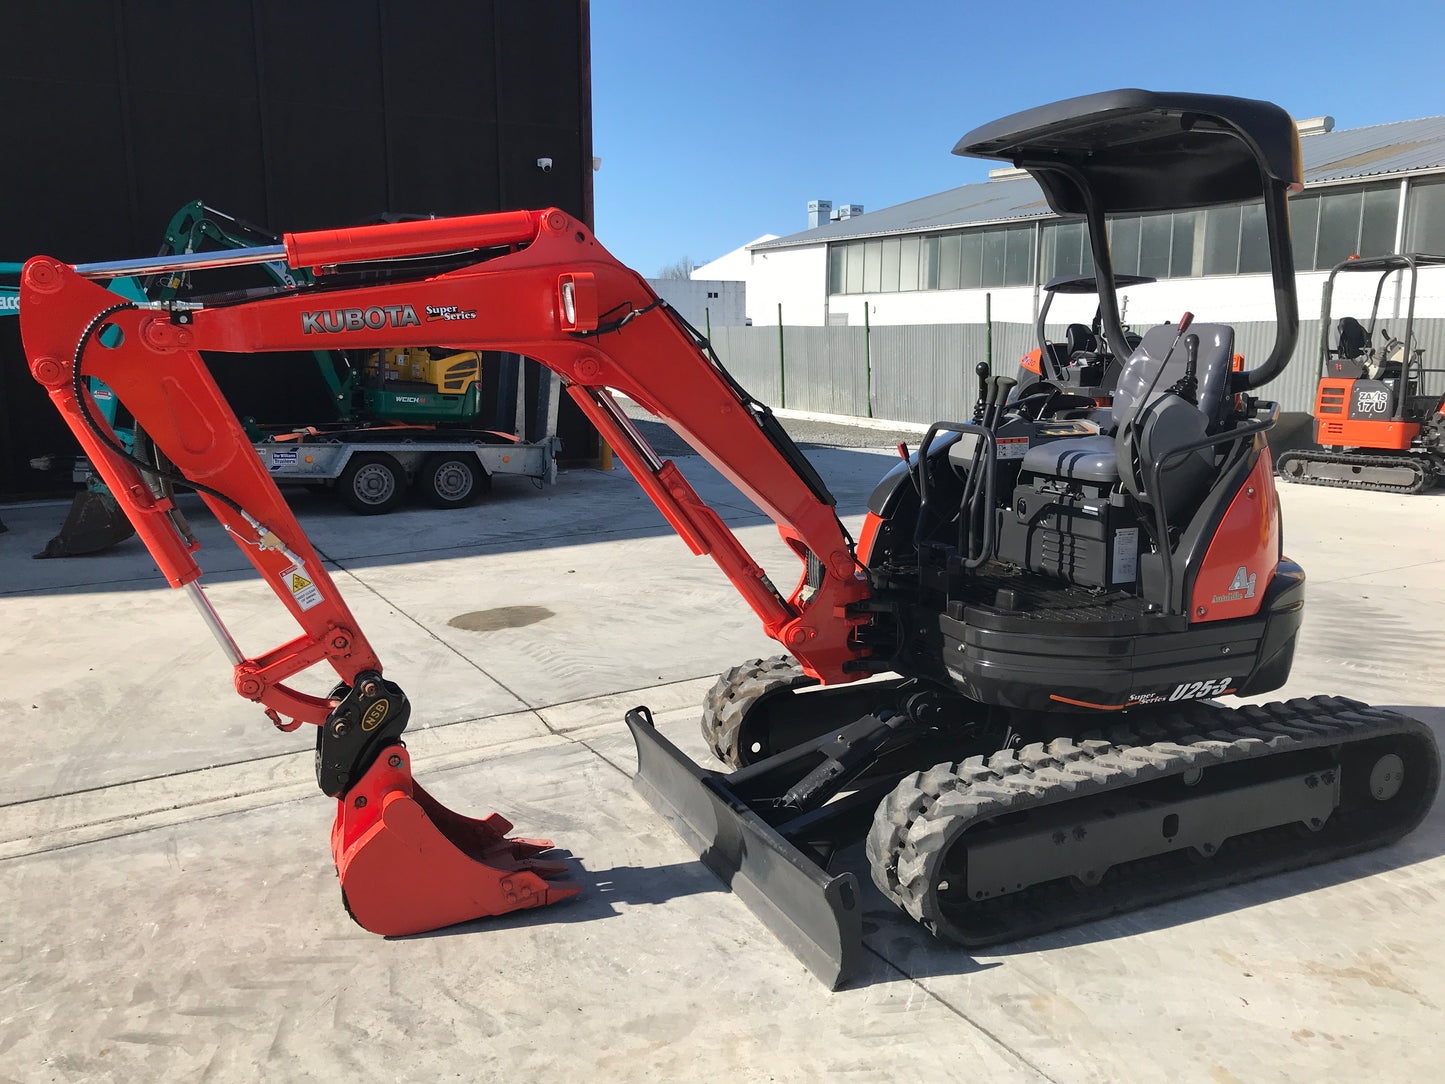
x=934 y=260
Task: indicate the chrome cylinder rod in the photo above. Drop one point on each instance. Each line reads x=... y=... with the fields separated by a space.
x=182 y=261
x=213 y=622
x=604 y=399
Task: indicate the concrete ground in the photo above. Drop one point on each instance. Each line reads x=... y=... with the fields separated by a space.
x=170 y=912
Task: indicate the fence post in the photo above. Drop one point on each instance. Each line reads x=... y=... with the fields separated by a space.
x=867 y=359
x=707 y=321
x=988 y=330
x=782 y=369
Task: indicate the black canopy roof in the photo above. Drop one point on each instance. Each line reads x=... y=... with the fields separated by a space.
x=1142 y=150
x=1088 y=284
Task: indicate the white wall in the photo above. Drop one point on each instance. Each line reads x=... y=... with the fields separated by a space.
x=796 y=278
x=1012 y=303
x=691 y=298
x=733 y=265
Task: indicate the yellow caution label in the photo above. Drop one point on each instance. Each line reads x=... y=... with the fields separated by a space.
x=304 y=592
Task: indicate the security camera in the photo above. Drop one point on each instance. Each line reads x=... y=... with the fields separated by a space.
x=544 y=164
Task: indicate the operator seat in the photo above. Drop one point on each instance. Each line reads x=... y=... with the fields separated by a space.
x=1347 y=361
x=1080 y=340
x=1143 y=430
x=1353 y=338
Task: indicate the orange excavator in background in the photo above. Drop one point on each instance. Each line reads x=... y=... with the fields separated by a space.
x=1048 y=603
x=1376 y=425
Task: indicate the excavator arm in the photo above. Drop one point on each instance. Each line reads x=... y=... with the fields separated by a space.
x=541 y=286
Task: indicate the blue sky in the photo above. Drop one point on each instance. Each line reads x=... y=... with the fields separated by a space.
x=717 y=121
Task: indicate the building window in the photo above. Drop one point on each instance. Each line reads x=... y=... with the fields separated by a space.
x=1425 y=224
x=1066 y=250
x=1330 y=226
x=837 y=268
x=1327 y=226
x=956 y=260
x=908 y=265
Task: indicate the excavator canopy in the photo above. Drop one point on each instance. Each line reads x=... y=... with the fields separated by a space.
x=1141 y=150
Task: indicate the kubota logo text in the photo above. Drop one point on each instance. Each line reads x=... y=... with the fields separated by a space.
x=378 y=316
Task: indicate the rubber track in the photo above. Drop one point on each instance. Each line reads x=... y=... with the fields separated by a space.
x=1424 y=474
x=916 y=824
x=733 y=695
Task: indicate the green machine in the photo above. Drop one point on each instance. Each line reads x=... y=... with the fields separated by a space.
x=94 y=522
x=406 y=393
x=415 y=385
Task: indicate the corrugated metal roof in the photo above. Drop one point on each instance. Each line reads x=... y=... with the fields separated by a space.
x=1352 y=153
x=970 y=204
x=1377 y=149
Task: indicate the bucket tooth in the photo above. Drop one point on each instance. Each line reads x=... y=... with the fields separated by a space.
x=408 y=864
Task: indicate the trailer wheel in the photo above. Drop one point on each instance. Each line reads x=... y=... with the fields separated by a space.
x=452 y=479
x=372 y=484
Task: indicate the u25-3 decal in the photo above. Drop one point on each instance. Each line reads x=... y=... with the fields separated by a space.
x=1193 y=690
x=1189 y=690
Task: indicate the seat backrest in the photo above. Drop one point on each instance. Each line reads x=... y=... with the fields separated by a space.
x=1216 y=360
x=1079 y=340
x=1150 y=424
x=1351 y=337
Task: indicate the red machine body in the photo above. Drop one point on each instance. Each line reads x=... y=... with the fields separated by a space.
x=544 y=297
x=1102 y=545
x=1334 y=428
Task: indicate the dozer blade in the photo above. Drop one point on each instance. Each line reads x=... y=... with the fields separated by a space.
x=408 y=864
x=94 y=523
x=815 y=914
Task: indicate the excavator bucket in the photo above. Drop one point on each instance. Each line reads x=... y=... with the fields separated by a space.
x=408 y=864
x=817 y=915
x=94 y=523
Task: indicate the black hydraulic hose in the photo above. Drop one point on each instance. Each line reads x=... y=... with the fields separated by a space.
x=985 y=454
x=78 y=387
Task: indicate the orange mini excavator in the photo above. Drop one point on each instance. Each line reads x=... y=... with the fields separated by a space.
x=1048 y=601
x=1376 y=425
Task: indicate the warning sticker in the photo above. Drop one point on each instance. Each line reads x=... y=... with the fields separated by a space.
x=1012 y=447
x=1126 y=555
x=306 y=593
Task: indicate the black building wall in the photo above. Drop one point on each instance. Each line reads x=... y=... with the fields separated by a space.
x=293 y=114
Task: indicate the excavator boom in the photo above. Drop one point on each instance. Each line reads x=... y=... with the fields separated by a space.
x=540 y=286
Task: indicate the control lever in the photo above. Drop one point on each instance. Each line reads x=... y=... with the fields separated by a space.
x=1184 y=322
x=1187 y=386
x=981 y=370
x=1002 y=386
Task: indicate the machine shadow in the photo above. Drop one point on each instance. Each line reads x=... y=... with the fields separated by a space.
x=603 y=891
x=585 y=506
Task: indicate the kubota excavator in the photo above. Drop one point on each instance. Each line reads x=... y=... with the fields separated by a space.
x=1047 y=608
